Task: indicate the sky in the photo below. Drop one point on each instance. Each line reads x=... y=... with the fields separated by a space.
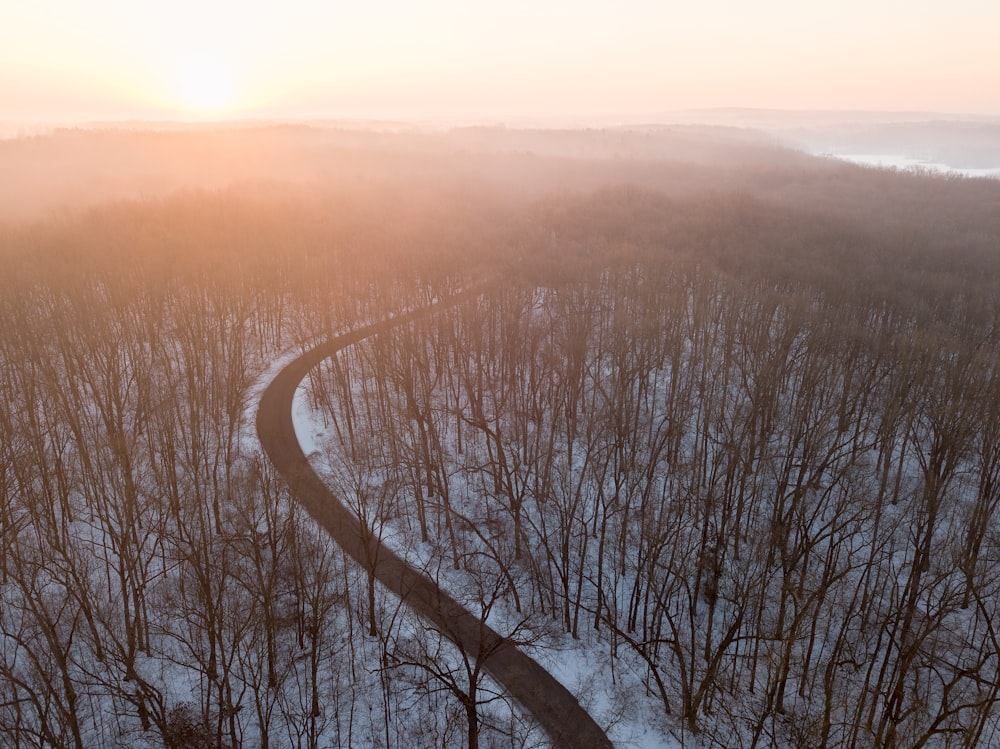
x=71 y=60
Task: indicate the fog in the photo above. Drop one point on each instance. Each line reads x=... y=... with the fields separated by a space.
x=73 y=168
x=940 y=141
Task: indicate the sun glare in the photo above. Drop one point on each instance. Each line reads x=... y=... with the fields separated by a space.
x=204 y=83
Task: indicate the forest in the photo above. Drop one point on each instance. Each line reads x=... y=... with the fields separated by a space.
x=725 y=420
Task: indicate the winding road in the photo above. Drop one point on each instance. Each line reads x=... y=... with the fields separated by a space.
x=553 y=707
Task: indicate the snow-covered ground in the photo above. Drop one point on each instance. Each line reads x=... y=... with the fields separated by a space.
x=613 y=694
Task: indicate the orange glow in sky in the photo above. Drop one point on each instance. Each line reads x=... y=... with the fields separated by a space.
x=104 y=59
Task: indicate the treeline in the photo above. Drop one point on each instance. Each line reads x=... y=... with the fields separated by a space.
x=759 y=455
x=70 y=169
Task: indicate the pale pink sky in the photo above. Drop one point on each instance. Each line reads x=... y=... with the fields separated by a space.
x=107 y=59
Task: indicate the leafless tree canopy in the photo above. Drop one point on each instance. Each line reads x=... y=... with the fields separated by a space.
x=745 y=435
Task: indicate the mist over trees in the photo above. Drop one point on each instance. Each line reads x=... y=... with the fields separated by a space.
x=739 y=430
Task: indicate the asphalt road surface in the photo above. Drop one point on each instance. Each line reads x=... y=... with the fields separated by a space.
x=553 y=707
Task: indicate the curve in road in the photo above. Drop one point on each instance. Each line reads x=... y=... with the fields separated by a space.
x=553 y=707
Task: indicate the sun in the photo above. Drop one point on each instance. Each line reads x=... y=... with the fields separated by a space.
x=204 y=83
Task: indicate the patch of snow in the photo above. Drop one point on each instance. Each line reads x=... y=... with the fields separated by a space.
x=900 y=161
